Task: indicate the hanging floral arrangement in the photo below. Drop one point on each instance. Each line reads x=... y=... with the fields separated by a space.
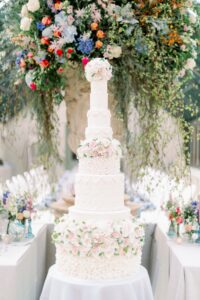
x=151 y=44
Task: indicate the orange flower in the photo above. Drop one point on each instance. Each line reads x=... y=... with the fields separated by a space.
x=50 y=49
x=98 y=44
x=94 y=26
x=44 y=63
x=57 y=33
x=44 y=40
x=46 y=21
x=20 y=216
x=22 y=63
x=58 y=5
x=100 y=34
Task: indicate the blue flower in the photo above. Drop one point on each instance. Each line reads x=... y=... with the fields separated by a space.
x=17 y=61
x=194 y=203
x=85 y=45
x=5 y=197
x=141 y=47
x=40 y=26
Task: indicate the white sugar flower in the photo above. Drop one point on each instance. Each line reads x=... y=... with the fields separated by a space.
x=24 y=11
x=98 y=69
x=33 y=5
x=25 y=23
x=191 y=64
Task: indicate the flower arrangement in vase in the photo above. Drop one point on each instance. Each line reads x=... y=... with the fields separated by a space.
x=175 y=216
x=190 y=215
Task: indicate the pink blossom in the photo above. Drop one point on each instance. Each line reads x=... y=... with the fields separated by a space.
x=70 y=19
x=115 y=234
x=85 y=60
x=32 y=86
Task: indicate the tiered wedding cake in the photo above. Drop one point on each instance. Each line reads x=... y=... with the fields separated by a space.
x=98 y=239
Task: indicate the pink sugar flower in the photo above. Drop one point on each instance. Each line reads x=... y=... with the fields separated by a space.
x=115 y=234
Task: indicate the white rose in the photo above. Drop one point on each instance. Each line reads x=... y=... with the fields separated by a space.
x=26 y=214
x=116 y=51
x=25 y=23
x=191 y=64
x=33 y=5
x=192 y=16
x=24 y=11
x=182 y=73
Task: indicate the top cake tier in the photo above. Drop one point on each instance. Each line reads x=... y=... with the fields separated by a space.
x=99 y=95
x=98 y=72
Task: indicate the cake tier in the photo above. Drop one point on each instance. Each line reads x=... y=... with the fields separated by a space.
x=96 y=268
x=93 y=249
x=99 y=95
x=105 y=216
x=98 y=118
x=98 y=132
x=99 y=192
x=99 y=165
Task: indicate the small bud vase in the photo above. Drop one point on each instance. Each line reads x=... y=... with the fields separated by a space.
x=171 y=231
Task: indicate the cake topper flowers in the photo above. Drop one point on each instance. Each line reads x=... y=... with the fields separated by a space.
x=98 y=69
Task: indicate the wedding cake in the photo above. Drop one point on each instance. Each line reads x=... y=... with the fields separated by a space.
x=98 y=239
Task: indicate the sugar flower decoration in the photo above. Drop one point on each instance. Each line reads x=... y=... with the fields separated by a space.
x=98 y=69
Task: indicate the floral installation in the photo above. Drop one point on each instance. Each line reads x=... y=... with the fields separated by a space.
x=97 y=147
x=152 y=46
x=86 y=239
x=98 y=69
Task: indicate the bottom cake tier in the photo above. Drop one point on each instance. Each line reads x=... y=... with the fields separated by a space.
x=88 y=249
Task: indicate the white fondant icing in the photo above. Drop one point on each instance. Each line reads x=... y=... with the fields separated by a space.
x=99 y=216
x=98 y=132
x=99 y=192
x=98 y=118
x=99 y=165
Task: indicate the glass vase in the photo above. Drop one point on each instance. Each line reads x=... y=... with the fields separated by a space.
x=16 y=231
x=171 y=231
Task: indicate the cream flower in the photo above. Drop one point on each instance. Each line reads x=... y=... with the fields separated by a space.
x=26 y=214
x=191 y=64
x=24 y=11
x=33 y=5
x=25 y=23
x=113 y=51
x=192 y=16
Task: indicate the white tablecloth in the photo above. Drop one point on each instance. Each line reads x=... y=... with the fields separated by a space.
x=23 y=268
x=175 y=269
x=136 y=288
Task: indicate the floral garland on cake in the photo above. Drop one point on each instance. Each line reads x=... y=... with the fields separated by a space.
x=101 y=148
x=86 y=239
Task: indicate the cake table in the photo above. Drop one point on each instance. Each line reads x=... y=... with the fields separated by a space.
x=137 y=287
